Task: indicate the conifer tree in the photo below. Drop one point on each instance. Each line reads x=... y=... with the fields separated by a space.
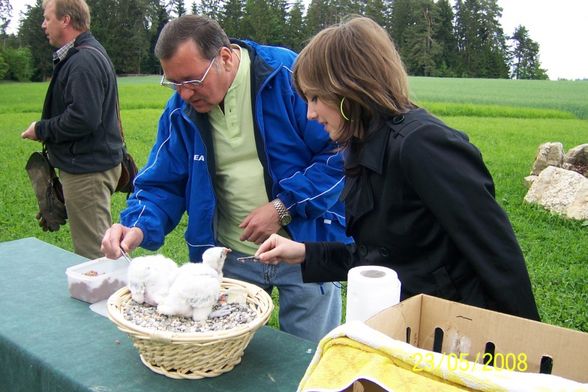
x=295 y=36
x=525 y=62
x=232 y=17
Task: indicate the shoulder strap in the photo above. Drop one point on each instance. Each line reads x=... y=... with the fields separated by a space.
x=122 y=135
x=400 y=125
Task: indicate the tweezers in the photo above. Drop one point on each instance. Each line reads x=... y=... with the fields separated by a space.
x=125 y=255
x=247 y=258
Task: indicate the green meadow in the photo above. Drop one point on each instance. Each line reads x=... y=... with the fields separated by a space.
x=506 y=119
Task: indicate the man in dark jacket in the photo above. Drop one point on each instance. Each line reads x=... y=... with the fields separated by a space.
x=79 y=124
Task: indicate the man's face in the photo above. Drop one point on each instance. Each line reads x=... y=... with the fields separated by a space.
x=188 y=64
x=52 y=26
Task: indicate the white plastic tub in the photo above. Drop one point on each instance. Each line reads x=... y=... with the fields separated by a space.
x=96 y=280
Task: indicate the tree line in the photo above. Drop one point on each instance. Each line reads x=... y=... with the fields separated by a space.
x=442 y=38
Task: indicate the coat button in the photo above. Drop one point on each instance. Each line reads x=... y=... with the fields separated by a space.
x=397 y=119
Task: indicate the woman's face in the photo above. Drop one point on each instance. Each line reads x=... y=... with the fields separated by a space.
x=326 y=114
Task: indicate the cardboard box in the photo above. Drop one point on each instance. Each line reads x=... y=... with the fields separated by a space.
x=97 y=279
x=428 y=322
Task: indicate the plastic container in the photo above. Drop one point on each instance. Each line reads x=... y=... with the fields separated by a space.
x=96 y=280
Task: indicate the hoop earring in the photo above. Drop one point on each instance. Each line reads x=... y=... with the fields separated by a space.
x=341 y=109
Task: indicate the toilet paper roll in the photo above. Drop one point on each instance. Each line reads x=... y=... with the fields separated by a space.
x=370 y=289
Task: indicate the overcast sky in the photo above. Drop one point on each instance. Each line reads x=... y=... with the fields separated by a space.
x=560 y=28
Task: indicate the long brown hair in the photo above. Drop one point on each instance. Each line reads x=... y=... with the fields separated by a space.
x=355 y=60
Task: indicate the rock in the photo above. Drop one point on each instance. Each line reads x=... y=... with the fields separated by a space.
x=579 y=207
x=576 y=159
x=548 y=154
x=562 y=191
x=529 y=180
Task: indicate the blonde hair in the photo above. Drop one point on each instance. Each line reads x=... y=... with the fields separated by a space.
x=77 y=10
x=357 y=61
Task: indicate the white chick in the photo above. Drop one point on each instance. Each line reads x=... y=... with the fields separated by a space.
x=215 y=257
x=194 y=292
x=150 y=278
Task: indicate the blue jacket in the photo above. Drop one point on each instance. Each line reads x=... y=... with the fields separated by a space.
x=300 y=164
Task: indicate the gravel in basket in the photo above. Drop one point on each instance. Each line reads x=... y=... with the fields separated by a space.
x=193 y=355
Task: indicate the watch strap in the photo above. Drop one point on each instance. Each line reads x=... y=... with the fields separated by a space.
x=283 y=213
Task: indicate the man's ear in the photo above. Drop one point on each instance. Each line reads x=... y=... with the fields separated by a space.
x=66 y=21
x=226 y=56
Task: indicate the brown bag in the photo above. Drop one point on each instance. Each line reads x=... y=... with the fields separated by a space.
x=128 y=172
x=48 y=190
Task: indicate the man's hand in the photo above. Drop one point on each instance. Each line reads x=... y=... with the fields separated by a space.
x=30 y=132
x=119 y=236
x=260 y=224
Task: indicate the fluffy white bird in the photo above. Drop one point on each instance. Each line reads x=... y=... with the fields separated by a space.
x=215 y=257
x=193 y=293
x=150 y=278
x=197 y=286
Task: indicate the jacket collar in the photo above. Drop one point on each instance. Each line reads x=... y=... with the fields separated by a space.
x=260 y=69
x=371 y=152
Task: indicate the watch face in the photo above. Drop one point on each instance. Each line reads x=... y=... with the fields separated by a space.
x=286 y=220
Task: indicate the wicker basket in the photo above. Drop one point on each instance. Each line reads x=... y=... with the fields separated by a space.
x=193 y=355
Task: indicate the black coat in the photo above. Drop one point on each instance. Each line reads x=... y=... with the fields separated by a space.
x=422 y=202
x=79 y=123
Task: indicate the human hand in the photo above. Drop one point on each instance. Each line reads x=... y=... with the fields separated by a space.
x=29 y=133
x=260 y=224
x=277 y=248
x=119 y=236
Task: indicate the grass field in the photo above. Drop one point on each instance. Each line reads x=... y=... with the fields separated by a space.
x=506 y=119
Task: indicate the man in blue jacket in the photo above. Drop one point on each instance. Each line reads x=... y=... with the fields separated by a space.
x=236 y=152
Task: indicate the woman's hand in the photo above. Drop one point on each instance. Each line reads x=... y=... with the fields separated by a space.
x=277 y=248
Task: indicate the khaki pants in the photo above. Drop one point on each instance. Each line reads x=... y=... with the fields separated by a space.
x=88 y=200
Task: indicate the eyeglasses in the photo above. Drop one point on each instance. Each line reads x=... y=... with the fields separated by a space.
x=188 y=83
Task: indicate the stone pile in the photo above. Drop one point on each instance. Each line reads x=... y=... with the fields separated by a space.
x=559 y=182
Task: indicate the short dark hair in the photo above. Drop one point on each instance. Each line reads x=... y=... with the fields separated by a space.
x=206 y=33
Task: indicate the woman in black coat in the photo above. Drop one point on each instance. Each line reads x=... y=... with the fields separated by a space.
x=418 y=196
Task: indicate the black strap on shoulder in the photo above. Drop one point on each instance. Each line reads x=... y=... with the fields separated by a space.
x=402 y=125
x=122 y=135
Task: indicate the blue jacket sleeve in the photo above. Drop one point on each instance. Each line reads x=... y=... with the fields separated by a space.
x=158 y=201
x=314 y=187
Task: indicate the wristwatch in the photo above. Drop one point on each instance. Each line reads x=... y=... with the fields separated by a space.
x=283 y=213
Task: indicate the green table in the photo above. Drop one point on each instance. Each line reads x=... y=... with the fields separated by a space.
x=52 y=342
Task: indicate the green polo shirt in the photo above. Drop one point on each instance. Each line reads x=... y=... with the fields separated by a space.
x=239 y=184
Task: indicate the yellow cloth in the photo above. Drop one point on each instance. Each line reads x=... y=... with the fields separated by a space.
x=345 y=361
x=354 y=351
